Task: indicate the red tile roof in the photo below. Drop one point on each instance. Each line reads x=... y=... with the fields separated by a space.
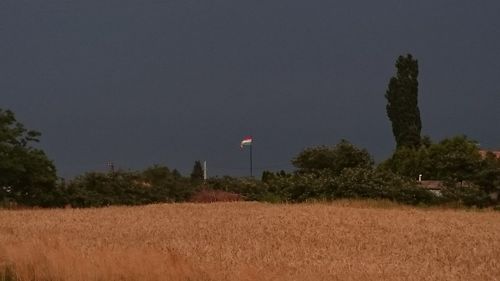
x=484 y=152
x=436 y=185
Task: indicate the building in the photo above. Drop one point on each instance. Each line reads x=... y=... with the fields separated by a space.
x=494 y=152
x=432 y=185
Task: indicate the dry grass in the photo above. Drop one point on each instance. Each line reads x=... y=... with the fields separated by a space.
x=252 y=241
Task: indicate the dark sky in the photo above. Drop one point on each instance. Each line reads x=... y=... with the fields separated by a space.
x=169 y=82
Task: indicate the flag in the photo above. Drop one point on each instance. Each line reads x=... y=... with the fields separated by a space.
x=246 y=141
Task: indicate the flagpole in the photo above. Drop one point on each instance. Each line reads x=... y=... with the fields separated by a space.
x=251 y=166
x=247 y=141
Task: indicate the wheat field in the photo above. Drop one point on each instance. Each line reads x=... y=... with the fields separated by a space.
x=346 y=240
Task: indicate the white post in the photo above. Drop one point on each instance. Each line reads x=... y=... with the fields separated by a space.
x=420 y=177
x=204 y=170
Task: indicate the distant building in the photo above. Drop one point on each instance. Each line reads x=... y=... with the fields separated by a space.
x=432 y=185
x=494 y=152
x=436 y=187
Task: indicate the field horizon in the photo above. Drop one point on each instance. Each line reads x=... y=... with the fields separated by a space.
x=345 y=240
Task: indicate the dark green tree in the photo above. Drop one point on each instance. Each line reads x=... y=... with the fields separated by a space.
x=152 y=185
x=333 y=159
x=489 y=175
x=452 y=159
x=27 y=176
x=410 y=162
x=197 y=173
x=167 y=185
x=402 y=103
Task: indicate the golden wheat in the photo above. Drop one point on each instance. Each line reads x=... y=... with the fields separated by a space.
x=251 y=241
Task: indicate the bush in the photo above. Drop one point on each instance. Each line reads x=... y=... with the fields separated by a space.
x=467 y=195
x=454 y=158
x=153 y=185
x=249 y=188
x=367 y=183
x=332 y=159
x=351 y=183
x=299 y=187
x=209 y=195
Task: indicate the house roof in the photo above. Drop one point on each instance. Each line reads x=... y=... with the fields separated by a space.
x=433 y=185
x=438 y=185
x=495 y=152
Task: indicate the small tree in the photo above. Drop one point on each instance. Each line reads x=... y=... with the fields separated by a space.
x=489 y=176
x=197 y=173
x=402 y=103
x=452 y=159
x=333 y=159
x=455 y=159
x=409 y=162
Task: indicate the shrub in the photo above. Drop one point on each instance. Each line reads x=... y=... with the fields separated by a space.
x=468 y=195
x=249 y=188
x=367 y=183
x=299 y=187
x=333 y=159
x=209 y=195
x=153 y=185
x=351 y=183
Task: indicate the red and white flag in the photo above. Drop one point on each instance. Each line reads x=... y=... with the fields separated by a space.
x=247 y=141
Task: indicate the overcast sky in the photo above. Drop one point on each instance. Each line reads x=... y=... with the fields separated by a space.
x=174 y=81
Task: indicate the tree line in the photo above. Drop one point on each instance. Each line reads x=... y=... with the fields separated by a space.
x=29 y=178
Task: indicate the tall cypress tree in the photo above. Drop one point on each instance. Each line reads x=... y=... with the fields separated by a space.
x=402 y=103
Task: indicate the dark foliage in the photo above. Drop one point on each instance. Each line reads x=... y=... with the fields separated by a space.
x=153 y=185
x=208 y=196
x=250 y=188
x=454 y=158
x=351 y=183
x=332 y=159
x=377 y=184
x=197 y=173
x=402 y=103
x=488 y=174
x=462 y=194
x=27 y=176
